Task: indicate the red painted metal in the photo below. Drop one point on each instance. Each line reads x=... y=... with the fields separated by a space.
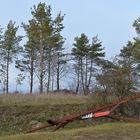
x=101 y=114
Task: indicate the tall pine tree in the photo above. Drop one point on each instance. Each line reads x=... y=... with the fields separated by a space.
x=9 y=48
x=85 y=56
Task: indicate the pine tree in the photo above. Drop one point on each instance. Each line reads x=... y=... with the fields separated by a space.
x=42 y=16
x=59 y=59
x=29 y=52
x=49 y=38
x=9 y=48
x=80 y=52
x=85 y=56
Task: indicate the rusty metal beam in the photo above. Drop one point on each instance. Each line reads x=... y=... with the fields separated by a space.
x=63 y=121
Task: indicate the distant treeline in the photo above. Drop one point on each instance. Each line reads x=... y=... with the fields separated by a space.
x=44 y=58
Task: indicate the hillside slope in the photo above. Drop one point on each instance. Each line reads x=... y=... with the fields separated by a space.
x=20 y=113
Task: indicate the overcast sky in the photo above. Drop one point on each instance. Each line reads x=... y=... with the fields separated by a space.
x=111 y=20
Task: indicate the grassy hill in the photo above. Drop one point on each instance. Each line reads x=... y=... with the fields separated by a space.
x=21 y=112
x=18 y=113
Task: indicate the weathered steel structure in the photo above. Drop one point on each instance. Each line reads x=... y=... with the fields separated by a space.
x=103 y=111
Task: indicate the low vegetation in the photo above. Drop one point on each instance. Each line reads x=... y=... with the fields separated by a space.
x=22 y=112
x=110 y=131
x=41 y=99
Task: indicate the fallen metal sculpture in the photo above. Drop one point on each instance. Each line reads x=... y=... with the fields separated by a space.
x=94 y=113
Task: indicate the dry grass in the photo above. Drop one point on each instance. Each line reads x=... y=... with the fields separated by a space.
x=110 y=131
x=41 y=99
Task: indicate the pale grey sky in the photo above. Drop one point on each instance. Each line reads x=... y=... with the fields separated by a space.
x=109 y=19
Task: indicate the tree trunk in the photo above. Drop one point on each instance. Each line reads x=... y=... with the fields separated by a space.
x=41 y=64
x=58 y=74
x=7 y=74
x=82 y=78
x=53 y=73
x=86 y=77
x=90 y=75
x=41 y=83
x=41 y=72
x=49 y=71
x=78 y=77
x=31 y=76
x=58 y=87
x=78 y=80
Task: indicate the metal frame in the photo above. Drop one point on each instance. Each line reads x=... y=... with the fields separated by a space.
x=96 y=113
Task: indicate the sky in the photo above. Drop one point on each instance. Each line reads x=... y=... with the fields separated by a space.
x=111 y=20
